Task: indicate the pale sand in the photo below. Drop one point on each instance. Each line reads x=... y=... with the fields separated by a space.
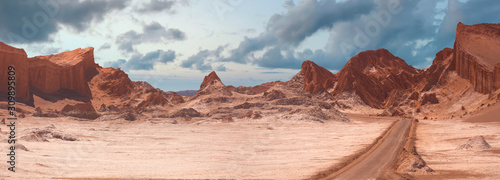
x=437 y=142
x=155 y=148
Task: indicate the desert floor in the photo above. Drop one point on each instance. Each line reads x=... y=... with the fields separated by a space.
x=437 y=143
x=267 y=148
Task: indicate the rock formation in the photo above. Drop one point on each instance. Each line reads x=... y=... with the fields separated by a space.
x=153 y=99
x=375 y=75
x=476 y=53
x=113 y=82
x=81 y=110
x=254 y=89
x=436 y=73
x=212 y=84
x=313 y=78
x=10 y=56
x=475 y=143
x=69 y=70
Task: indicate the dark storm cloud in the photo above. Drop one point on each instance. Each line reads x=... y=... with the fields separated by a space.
x=26 y=21
x=203 y=60
x=285 y=31
x=105 y=46
x=157 y=6
x=409 y=29
x=146 y=61
x=152 y=33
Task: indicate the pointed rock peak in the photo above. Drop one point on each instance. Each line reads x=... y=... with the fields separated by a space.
x=308 y=63
x=210 y=79
x=314 y=78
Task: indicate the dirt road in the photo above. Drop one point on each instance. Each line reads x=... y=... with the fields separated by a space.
x=371 y=165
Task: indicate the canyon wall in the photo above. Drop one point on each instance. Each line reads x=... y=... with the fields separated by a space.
x=69 y=70
x=476 y=55
x=10 y=56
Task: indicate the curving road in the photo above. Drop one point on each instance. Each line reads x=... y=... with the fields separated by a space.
x=372 y=164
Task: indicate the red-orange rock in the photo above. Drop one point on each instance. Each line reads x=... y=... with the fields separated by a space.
x=10 y=56
x=274 y=94
x=212 y=84
x=69 y=70
x=442 y=64
x=313 y=78
x=414 y=96
x=476 y=55
x=429 y=98
x=255 y=89
x=153 y=99
x=210 y=79
x=81 y=110
x=174 y=98
x=375 y=75
x=113 y=82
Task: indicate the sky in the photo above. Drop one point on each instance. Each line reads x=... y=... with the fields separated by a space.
x=173 y=44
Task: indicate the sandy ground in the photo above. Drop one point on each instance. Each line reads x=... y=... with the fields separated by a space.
x=437 y=142
x=155 y=148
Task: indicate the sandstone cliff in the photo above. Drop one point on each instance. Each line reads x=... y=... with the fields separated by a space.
x=69 y=70
x=476 y=54
x=10 y=56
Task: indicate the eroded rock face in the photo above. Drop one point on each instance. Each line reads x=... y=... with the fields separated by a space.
x=273 y=94
x=113 y=82
x=10 y=56
x=429 y=98
x=69 y=70
x=313 y=78
x=434 y=75
x=375 y=75
x=476 y=55
x=153 y=99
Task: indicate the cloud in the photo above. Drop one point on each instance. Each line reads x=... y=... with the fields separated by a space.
x=152 y=33
x=105 y=46
x=413 y=30
x=220 y=68
x=288 y=4
x=157 y=6
x=30 y=21
x=286 y=31
x=203 y=60
x=146 y=61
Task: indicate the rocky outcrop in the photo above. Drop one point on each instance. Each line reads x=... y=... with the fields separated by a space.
x=476 y=55
x=376 y=75
x=436 y=73
x=186 y=112
x=153 y=99
x=273 y=94
x=213 y=85
x=113 y=82
x=69 y=70
x=81 y=110
x=429 y=98
x=313 y=78
x=475 y=143
x=10 y=56
x=252 y=90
